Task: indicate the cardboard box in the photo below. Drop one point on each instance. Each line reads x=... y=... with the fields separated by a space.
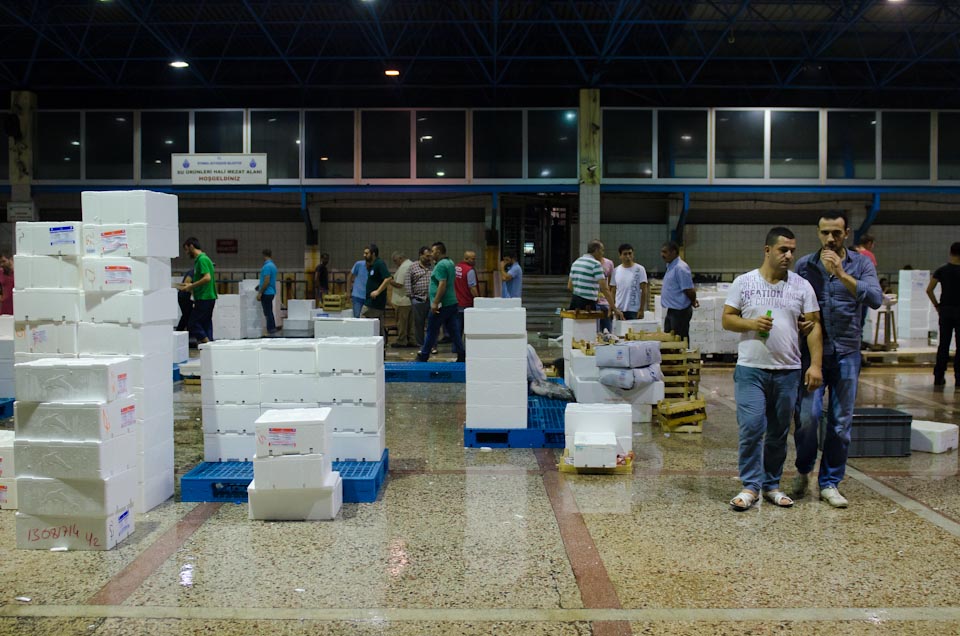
x=302 y=504
x=73 y=533
x=46 y=337
x=44 y=496
x=514 y=347
x=486 y=416
x=101 y=338
x=293 y=431
x=50 y=272
x=130 y=206
x=933 y=437
x=75 y=460
x=229 y=447
x=356 y=417
x=289 y=388
x=291 y=472
x=346 y=327
x=49 y=239
x=230 y=418
x=131 y=239
x=73 y=379
x=229 y=357
x=350 y=355
x=511 y=371
x=40 y=305
x=75 y=421
x=133 y=306
x=122 y=273
x=288 y=356
x=334 y=389
x=230 y=389
x=358 y=447
x=594 y=450
x=495 y=322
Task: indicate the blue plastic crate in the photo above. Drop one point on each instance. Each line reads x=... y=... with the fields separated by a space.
x=425 y=372
x=6 y=407
x=362 y=481
x=543 y=412
x=545 y=421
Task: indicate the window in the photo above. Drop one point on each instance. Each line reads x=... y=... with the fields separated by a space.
x=57 y=149
x=628 y=144
x=552 y=144
x=328 y=144
x=109 y=148
x=948 y=146
x=162 y=134
x=385 y=144
x=277 y=133
x=682 y=144
x=906 y=146
x=794 y=145
x=498 y=144
x=218 y=131
x=739 y=147
x=851 y=145
x=441 y=144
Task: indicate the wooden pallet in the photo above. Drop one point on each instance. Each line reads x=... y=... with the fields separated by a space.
x=661 y=336
x=582 y=314
x=588 y=348
x=682 y=416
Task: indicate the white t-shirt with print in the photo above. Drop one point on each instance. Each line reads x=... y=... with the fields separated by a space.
x=628 y=281
x=787 y=300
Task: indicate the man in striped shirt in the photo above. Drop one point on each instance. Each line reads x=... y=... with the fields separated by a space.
x=587 y=281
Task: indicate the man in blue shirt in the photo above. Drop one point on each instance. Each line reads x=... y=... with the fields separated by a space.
x=358 y=286
x=512 y=277
x=267 y=289
x=677 y=294
x=844 y=282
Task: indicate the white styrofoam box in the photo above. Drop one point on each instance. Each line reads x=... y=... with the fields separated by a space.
x=334 y=389
x=181 y=346
x=47 y=272
x=346 y=327
x=296 y=356
x=155 y=429
x=229 y=447
x=129 y=206
x=481 y=302
x=73 y=533
x=296 y=324
x=594 y=418
x=356 y=417
x=290 y=472
x=131 y=239
x=293 y=432
x=145 y=371
x=155 y=460
x=249 y=285
x=577 y=330
x=46 y=337
x=582 y=365
x=497 y=348
x=37 y=305
x=20 y=358
x=594 y=449
x=103 y=338
x=121 y=273
x=154 y=399
x=495 y=322
x=302 y=504
x=350 y=355
x=230 y=389
x=229 y=357
x=227 y=329
x=76 y=421
x=359 y=447
x=50 y=239
x=7 y=327
x=75 y=460
x=154 y=491
x=490 y=370
x=131 y=306
x=499 y=416
x=912 y=285
x=8 y=493
x=641 y=399
x=289 y=388
x=267 y=406
x=933 y=437
x=7 y=464
x=658 y=312
x=230 y=418
x=497 y=393
x=77 y=497
x=300 y=309
x=631 y=354
x=623 y=327
x=73 y=379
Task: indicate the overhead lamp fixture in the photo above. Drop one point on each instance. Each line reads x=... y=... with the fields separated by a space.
x=441 y=173
x=120 y=119
x=570 y=115
x=686 y=137
x=421 y=119
x=169 y=142
x=545 y=172
x=66 y=158
x=391 y=72
x=179 y=64
x=157 y=161
x=74 y=143
x=324 y=158
x=426 y=138
x=272 y=119
x=438 y=156
x=298 y=141
x=873 y=122
x=788 y=160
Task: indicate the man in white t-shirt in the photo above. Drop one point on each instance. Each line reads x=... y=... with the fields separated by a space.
x=630 y=281
x=764 y=306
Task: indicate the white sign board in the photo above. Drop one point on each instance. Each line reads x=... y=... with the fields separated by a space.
x=219 y=170
x=21 y=211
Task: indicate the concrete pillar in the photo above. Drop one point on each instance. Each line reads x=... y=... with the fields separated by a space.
x=590 y=169
x=674 y=210
x=589 y=215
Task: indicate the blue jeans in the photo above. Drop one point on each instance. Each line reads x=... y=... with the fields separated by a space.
x=605 y=324
x=449 y=319
x=357 y=305
x=266 y=302
x=841 y=373
x=201 y=319
x=765 y=403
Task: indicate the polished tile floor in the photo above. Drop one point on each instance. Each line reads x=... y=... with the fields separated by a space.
x=466 y=541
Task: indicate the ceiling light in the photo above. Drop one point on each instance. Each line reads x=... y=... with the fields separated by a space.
x=121 y=119
x=788 y=160
x=298 y=141
x=570 y=115
x=426 y=138
x=324 y=158
x=441 y=173
x=421 y=119
x=272 y=119
x=169 y=142
x=545 y=172
x=179 y=64
x=157 y=161
x=391 y=72
x=647 y=171
x=66 y=158
x=74 y=143
x=873 y=122
x=438 y=156
x=686 y=137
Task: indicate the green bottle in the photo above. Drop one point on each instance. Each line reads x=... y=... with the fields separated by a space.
x=766 y=334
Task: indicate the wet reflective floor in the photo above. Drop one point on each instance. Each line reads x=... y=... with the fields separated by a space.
x=467 y=541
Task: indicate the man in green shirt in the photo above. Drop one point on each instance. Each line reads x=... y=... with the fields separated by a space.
x=443 y=305
x=204 y=288
x=378 y=278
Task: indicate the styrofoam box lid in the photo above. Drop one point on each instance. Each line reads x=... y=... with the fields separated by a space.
x=247 y=345
x=358 y=341
x=593 y=438
x=80 y=363
x=298 y=344
x=317 y=458
x=602 y=409
x=294 y=416
x=923 y=425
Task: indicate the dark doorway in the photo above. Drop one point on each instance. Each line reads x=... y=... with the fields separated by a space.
x=538 y=232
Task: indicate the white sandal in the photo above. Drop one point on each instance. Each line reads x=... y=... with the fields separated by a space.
x=748 y=498
x=778 y=498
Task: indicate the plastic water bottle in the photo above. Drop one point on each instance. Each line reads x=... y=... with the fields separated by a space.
x=766 y=334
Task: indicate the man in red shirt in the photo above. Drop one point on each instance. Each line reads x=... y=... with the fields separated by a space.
x=6 y=284
x=465 y=284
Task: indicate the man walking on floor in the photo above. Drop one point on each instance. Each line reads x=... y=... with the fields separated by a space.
x=378 y=278
x=204 y=288
x=948 y=310
x=466 y=284
x=443 y=305
x=418 y=288
x=358 y=286
x=267 y=290
x=764 y=306
x=677 y=295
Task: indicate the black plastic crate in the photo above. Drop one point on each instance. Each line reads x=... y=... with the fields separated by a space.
x=880 y=432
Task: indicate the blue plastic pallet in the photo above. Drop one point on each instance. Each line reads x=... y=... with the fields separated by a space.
x=544 y=428
x=226 y=482
x=176 y=372
x=425 y=371
x=6 y=408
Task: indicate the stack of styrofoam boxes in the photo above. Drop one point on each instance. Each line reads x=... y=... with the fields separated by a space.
x=292 y=479
x=299 y=315
x=496 y=367
x=324 y=327
x=7 y=348
x=8 y=481
x=181 y=346
x=595 y=434
x=622 y=327
x=230 y=397
x=639 y=359
x=913 y=308
x=76 y=448
x=482 y=302
x=228 y=321
x=129 y=309
x=577 y=330
x=706 y=328
x=251 y=310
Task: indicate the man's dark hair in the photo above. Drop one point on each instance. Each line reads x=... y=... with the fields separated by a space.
x=594 y=246
x=443 y=248
x=192 y=242
x=955 y=249
x=5 y=254
x=423 y=249
x=624 y=247
x=833 y=215
x=267 y=252
x=866 y=238
x=776 y=232
x=671 y=246
x=512 y=255
x=324 y=255
x=374 y=249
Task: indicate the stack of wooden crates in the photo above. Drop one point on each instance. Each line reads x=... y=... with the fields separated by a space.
x=682 y=410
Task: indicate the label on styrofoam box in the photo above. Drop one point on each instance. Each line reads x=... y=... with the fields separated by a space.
x=300 y=504
x=120 y=273
x=230 y=389
x=300 y=309
x=154 y=429
x=490 y=370
x=100 y=338
x=230 y=418
x=358 y=447
x=297 y=356
x=346 y=327
x=155 y=460
x=289 y=388
x=73 y=533
x=582 y=365
x=49 y=239
x=594 y=449
x=38 y=305
x=73 y=379
x=293 y=431
x=77 y=497
x=229 y=447
x=350 y=355
x=154 y=491
x=487 y=416
x=8 y=493
x=495 y=322
x=47 y=271
x=335 y=389
x=497 y=393
x=613 y=418
x=133 y=239
x=45 y=337
x=229 y=357
x=75 y=460
x=496 y=348
x=148 y=370
x=156 y=209
x=496 y=303
x=75 y=421
x=291 y=471
x=131 y=306
x=356 y=417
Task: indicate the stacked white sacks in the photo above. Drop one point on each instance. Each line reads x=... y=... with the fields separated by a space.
x=596 y=435
x=76 y=446
x=8 y=479
x=914 y=308
x=324 y=327
x=496 y=343
x=292 y=479
x=300 y=315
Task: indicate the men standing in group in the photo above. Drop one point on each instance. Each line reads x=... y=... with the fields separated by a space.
x=267 y=290
x=764 y=306
x=378 y=278
x=586 y=281
x=443 y=305
x=358 y=286
x=948 y=309
x=845 y=283
x=511 y=277
x=321 y=279
x=466 y=283
x=418 y=288
x=630 y=283
x=606 y=324
x=401 y=302
x=6 y=284
x=677 y=295
x=204 y=288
